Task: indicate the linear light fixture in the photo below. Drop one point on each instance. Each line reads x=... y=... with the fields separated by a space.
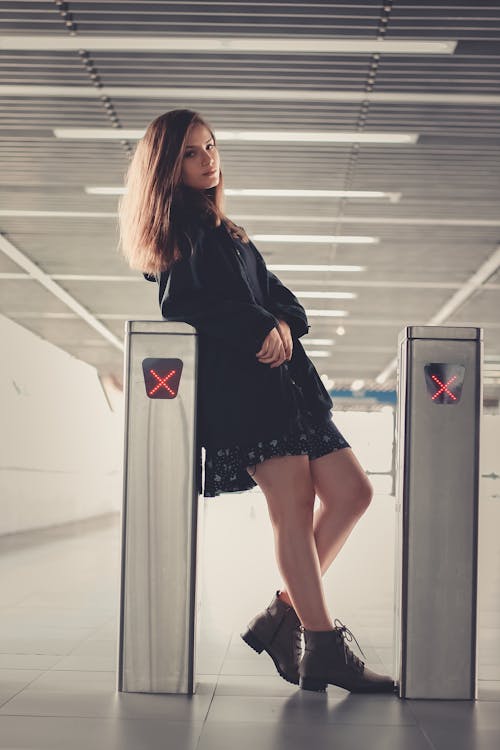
x=308 y=267
x=272 y=193
x=197 y=44
x=326 y=239
x=337 y=136
x=258 y=136
x=328 y=295
x=352 y=219
x=292 y=193
x=103 y=190
x=327 y=313
x=208 y=93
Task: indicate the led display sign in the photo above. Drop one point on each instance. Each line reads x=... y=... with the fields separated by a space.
x=162 y=377
x=444 y=382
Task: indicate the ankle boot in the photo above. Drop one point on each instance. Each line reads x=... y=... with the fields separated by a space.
x=328 y=660
x=278 y=631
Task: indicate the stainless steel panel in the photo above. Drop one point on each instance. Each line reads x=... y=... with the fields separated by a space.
x=455 y=333
x=161 y=327
x=160 y=521
x=436 y=529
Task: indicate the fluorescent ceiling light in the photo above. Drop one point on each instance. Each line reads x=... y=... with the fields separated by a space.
x=309 y=267
x=356 y=96
x=321 y=342
x=105 y=190
x=274 y=193
x=257 y=136
x=338 y=136
x=291 y=193
x=316 y=352
x=60 y=214
x=197 y=44
x=327 y=295
x=99 y=134
x=402 y=220
x=319 y=238
x=327 y=313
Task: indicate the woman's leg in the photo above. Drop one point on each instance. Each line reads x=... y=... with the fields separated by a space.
x=288 y=487
x=345 y=492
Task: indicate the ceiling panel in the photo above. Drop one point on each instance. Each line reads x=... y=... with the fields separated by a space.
x=431 y=241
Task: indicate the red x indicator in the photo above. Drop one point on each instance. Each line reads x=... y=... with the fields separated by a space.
x=444 y=382
x=443 y=387
x=162 y=382
x=162 y=377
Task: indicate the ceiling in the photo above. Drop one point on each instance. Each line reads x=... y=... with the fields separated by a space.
x=429 y=250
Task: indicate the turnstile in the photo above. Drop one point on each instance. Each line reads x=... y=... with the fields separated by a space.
x=161 y=515
x=438 y=426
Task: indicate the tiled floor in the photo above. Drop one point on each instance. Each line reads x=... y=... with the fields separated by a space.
x=58 y=620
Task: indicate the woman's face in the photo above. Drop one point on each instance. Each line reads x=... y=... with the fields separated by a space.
x=200 y=162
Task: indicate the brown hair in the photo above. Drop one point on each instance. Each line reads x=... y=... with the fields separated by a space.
x=158 y=211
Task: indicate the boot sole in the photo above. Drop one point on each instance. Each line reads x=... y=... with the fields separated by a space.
x=312 y=683
x=251 y=640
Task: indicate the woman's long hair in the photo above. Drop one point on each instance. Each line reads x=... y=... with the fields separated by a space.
x=157 y=212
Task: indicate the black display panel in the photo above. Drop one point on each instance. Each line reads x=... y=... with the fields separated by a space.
x=444 y=382
x=162 y=376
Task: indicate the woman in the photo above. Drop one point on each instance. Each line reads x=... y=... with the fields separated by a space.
x=264 y=415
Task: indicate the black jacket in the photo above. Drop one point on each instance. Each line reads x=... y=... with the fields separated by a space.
x=226 y=292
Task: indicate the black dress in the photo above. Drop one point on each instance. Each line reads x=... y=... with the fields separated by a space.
x=225 y=466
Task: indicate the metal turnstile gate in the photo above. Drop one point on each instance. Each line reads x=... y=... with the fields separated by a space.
x=161 y=514
x=438 y=426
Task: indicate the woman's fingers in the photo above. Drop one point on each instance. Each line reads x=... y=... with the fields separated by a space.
x=272 y=351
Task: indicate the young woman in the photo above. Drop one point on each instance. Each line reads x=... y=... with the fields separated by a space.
x=264 y=415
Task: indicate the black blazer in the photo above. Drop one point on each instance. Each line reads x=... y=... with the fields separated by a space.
x=240 y=400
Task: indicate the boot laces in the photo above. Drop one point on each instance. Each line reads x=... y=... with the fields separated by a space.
x=345 y=634
x=297 y=642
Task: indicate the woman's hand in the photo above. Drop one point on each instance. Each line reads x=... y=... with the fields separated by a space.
x=286 y=337
x=277 y=346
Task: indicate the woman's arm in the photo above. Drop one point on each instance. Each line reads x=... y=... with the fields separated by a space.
x=284 y=304
x=184 y=297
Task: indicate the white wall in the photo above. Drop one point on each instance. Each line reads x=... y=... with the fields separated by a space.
x=60 y=444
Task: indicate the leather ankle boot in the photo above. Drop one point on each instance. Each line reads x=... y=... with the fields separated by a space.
x=278 y=631
x=328 y=660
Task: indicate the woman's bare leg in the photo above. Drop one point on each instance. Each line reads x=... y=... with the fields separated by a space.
x=345 y=492
x=288 y=487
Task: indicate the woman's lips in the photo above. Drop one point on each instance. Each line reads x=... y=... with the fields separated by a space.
x=212 y=171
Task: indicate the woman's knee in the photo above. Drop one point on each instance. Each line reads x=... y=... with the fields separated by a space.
x=341 y=483
x=364 y=493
